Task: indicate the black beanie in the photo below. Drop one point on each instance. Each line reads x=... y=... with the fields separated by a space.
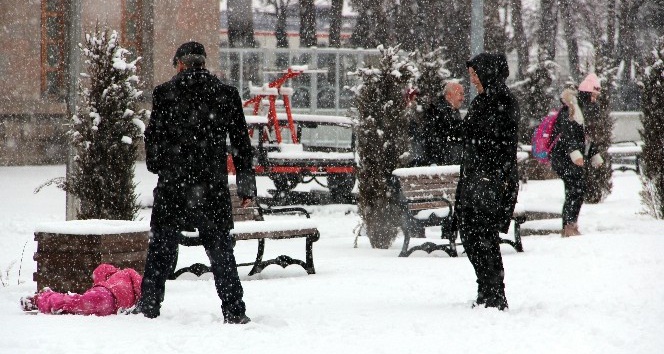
x=189 y=48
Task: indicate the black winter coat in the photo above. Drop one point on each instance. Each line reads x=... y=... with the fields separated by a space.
x=185 y=142
x=441 y=135
x=488 y=185
x=571 y=137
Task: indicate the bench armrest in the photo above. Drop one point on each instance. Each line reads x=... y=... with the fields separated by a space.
x=270 y=210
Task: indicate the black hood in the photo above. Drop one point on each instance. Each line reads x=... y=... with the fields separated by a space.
x=491 y=68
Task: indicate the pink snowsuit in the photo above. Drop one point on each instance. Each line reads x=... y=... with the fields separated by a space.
x=113 y=289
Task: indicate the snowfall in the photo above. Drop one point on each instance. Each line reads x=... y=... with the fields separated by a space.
x=602 y=292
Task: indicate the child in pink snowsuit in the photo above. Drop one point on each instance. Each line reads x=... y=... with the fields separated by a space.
x=113 y=289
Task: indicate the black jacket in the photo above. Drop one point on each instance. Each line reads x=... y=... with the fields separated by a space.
x=571 y=137
x=185 y=140
x=488 y=185
x=441 y=134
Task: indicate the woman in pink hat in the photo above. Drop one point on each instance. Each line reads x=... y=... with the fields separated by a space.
x=573 y=148
x=113 y=290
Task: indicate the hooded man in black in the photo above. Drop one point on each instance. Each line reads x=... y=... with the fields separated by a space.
x=488 y=185
x=185 y=143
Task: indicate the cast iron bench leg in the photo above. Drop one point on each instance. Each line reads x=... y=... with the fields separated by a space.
x=258 y=266
x=310 y=256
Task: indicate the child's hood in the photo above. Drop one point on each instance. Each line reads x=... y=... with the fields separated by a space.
x=103 y=272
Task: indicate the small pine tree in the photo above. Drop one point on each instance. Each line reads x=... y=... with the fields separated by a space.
x=382 y=141
x=652 y=102
x=430 y=82
x=105 y=131
x=536 y=97
x=599 y=127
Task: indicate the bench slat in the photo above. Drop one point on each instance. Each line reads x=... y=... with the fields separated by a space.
x=413 y=207
x=442 y=192
x=275 y=234
x=427 y=180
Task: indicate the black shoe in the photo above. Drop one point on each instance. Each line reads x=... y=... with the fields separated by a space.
x=140 y=309
x=498 y=301
x=241 y=319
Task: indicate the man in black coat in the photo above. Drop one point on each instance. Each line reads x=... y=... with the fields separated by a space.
x=185 y=142
x=488 y=185
x=441 y=131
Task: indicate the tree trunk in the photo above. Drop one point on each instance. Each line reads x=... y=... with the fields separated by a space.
x=520 y=39
x=335 y=23
x=570 y=37
x=372 y=27
x=629 y=52
x=307 y=24
x=546 y=38
x=456 y=37
x=494 y=31
x=611 y=28
x=408 y=19
x=240 y=24
x=281 y=9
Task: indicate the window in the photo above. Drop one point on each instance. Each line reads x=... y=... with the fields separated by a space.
x=53 y=48
x=131 y=37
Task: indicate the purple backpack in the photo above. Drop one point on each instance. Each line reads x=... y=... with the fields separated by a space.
x=542 y=140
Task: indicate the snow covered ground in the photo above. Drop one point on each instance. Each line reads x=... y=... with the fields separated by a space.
x=600 y=293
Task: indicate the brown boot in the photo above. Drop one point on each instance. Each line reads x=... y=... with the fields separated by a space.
x=576 y=229
x=570 y=230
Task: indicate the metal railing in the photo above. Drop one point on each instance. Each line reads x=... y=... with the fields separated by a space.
x=320 y=93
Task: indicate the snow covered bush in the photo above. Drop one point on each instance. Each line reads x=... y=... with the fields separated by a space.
x=652 y=103
x=382 y=140
x=105 y=131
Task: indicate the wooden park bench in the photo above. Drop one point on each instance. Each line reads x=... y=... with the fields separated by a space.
x=249 y=225
x=624 y=154
x=426 y=197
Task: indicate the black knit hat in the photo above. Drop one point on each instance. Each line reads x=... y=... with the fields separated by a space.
x=189 y=48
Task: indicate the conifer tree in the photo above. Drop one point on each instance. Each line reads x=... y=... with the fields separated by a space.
x=106 y=131
x=536 y=97
x=382 y=141
x=599 y=128
x=652 y=175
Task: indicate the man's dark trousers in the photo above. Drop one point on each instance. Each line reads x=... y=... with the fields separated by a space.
x=482 y=246
x=162 y=259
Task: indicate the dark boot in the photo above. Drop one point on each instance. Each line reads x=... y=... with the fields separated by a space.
x=482 y=294
x=496 y=298
x=234 y=318
x=243 y=319
x=139 y=308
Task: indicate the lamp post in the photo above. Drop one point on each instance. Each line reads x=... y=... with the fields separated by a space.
x=476 y=33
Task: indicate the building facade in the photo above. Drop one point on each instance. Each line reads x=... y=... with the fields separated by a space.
x=33 y=60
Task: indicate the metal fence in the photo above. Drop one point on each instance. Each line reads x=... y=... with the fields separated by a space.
x=320 y=92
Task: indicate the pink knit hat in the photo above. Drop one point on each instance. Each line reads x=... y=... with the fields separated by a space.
x=590 y=84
